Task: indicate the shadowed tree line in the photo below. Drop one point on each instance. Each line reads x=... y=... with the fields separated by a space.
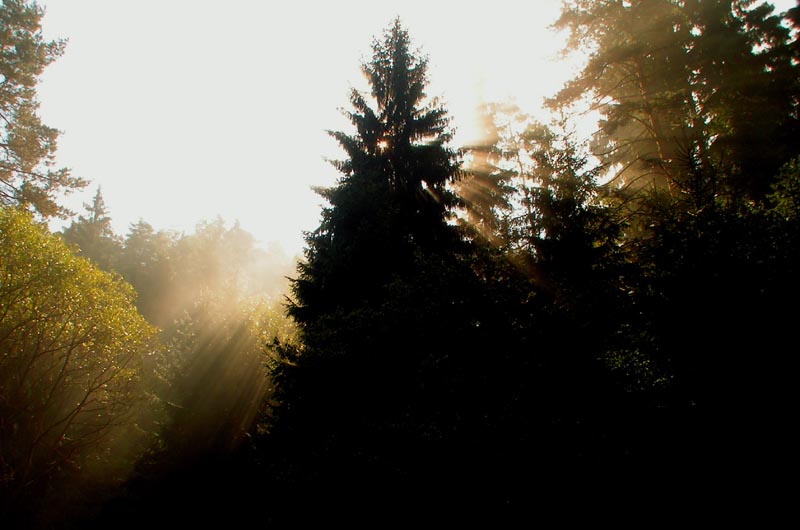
x=481 y=325
x=486 y=330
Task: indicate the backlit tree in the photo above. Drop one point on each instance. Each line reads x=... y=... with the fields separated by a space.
x=27 y=147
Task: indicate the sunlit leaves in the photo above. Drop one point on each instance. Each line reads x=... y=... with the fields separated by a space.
x=72 y=350
x=786 y=191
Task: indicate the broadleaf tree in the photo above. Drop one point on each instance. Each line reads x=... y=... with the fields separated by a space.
x=74 y=351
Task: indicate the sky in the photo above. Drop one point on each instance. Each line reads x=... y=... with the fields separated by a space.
x=185 y=110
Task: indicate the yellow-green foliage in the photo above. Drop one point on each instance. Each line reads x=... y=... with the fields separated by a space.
x=786 y=191
x=72 y=352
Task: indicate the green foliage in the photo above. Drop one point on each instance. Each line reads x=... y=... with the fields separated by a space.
x=145 y=263
x=214 y=293
x=73 y=350
x=27 y=147
x=697 y=99
x=172 y=272
x=216 y=296
x=786 y=192
x=93 y=235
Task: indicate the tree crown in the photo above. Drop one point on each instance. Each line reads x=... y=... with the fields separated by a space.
x=27 y=146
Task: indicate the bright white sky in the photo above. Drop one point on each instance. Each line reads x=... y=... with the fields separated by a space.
x=183 y=110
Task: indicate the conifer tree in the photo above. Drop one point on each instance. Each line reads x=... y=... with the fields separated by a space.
x=94 y=235
x=382 y=299
x=697 y=99
x=488 y=183
x=27 y=146
x=392 y=200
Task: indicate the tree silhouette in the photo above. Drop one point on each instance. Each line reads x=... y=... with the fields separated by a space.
x=697 y=99
x=393 y=196
x=390 y=310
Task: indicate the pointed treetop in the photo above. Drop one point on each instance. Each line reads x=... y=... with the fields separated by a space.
x=97 y=210
x=401 y=134
x=395 y=71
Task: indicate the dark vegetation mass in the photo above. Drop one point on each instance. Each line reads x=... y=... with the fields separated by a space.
x=492 y=329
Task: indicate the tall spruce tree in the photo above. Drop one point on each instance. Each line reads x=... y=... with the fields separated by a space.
x=385 y=299
x=391 y=206
x=392 y=198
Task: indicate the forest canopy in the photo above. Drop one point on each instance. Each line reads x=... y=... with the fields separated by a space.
x=491 y=326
